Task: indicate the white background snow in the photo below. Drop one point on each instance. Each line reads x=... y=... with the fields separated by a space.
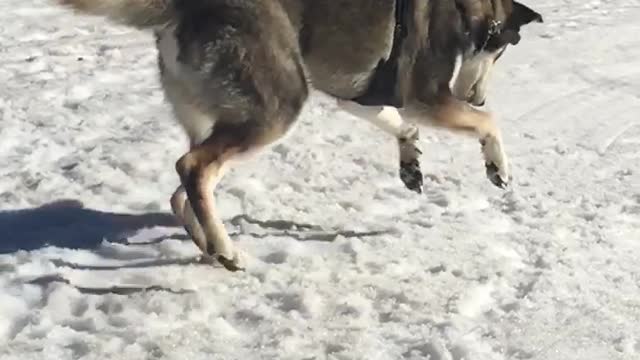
x=92 y=266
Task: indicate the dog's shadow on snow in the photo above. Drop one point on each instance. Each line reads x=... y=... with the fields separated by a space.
x=68 y=224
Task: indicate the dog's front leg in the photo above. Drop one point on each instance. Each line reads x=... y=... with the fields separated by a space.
x=389 y=120
x=456 y=115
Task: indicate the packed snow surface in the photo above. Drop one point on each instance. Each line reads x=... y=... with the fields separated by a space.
x=345 y=263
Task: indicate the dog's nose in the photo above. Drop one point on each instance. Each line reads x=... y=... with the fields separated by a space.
x=476 y=102
x=473 y=99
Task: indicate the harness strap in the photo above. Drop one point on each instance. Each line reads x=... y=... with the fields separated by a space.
x=381 y=90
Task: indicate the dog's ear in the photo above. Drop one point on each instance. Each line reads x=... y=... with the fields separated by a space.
x=522 y=15
x=510 y=37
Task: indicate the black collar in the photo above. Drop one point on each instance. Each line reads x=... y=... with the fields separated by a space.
x=494 y=28
x=478 y=35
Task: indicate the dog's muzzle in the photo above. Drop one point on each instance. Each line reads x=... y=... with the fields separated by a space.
x=474 y=98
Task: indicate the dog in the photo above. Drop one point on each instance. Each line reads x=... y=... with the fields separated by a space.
x=238 y=72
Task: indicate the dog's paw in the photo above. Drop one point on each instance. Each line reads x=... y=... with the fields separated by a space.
x=410 y=172
x=496 y=163
x=237 y=263
x=494 y=175
x=411 y=175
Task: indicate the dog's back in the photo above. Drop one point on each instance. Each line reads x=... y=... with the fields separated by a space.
x=137 y=13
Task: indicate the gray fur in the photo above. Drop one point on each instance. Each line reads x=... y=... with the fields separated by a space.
x=237 y=73
x=137 y=13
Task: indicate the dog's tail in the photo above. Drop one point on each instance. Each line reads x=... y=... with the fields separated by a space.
x=141 y=14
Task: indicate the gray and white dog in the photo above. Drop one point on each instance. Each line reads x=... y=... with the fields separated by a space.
x=237 y=73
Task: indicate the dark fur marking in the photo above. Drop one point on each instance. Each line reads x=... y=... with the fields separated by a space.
x=382 y=89
x=510 y=33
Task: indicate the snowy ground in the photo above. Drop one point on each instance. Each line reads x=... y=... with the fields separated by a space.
x=92 y=266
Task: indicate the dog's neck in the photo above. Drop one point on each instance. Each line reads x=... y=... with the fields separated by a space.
x=478 y=29
x=494 y=28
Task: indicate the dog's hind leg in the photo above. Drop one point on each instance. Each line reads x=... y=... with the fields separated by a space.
x=236 y=87
x=453 y=114
x=202 y=168
x=184 y=213
x=388 y=119
x=178 y=200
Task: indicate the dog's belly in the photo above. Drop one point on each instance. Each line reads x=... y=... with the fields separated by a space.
x=343 y=85
x=343 y=41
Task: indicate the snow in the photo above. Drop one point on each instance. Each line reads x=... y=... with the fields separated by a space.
x=345 y=262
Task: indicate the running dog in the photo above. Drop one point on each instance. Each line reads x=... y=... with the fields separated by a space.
x=237 y=73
